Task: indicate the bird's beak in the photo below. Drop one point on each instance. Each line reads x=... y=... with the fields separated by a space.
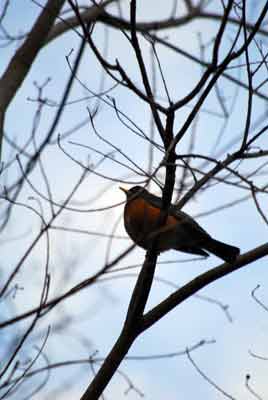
x=123 y=189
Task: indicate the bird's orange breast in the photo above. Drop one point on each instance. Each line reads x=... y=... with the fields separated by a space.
x=142 y=217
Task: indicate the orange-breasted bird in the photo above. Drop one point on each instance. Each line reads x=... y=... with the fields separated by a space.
x=180 y=232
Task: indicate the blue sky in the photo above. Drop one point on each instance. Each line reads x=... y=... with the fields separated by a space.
x=75 y=257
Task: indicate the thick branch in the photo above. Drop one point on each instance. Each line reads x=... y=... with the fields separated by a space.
x=199 y=283
x=91 y=14
x=110 y=365
x=22 y=60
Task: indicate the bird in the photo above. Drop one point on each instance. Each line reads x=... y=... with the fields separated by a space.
x=180 y=231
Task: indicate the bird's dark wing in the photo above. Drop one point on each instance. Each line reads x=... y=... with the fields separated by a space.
x=188 y=224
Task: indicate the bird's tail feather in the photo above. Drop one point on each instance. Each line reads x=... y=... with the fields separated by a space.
x=222 y=250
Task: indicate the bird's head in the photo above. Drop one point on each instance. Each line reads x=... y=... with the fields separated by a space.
x=134 y=192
